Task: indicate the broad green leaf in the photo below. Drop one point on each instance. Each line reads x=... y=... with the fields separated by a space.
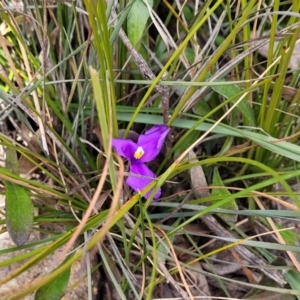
x=55 y=289
x=293 y=278
x=230 y=91
x=201 y=108
x=19 y=208
x=137 y=20
x=217 y=181
x=190 y=55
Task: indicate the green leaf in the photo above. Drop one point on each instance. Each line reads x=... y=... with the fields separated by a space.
x=55 y=289
x=230 y=91
x=217 y=181
x=286 y=149
x=293 y=278
x=188 y=141
x=137 y=20
x=290 y=237
x=201 y=108
x=19 y=208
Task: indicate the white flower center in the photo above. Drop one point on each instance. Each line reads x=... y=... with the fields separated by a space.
x=139 y=153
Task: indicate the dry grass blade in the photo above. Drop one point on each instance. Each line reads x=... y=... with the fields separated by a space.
x=245 y=254
x=75 y=75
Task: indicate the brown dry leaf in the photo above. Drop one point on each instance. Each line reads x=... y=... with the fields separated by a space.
x=196 y=281
x=267 y=295
x=295 y=58
x=201 y=284
x=243 y=252
x=198 y=179
x=222 y=268
x=288 y=92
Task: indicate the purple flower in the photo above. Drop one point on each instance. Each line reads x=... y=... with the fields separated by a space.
x=144 y=150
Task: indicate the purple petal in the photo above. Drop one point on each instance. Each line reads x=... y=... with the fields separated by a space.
x=138 y=183
x=125 y=148
x=152 y=142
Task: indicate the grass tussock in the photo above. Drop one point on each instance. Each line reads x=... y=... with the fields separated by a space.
x=223 y=76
